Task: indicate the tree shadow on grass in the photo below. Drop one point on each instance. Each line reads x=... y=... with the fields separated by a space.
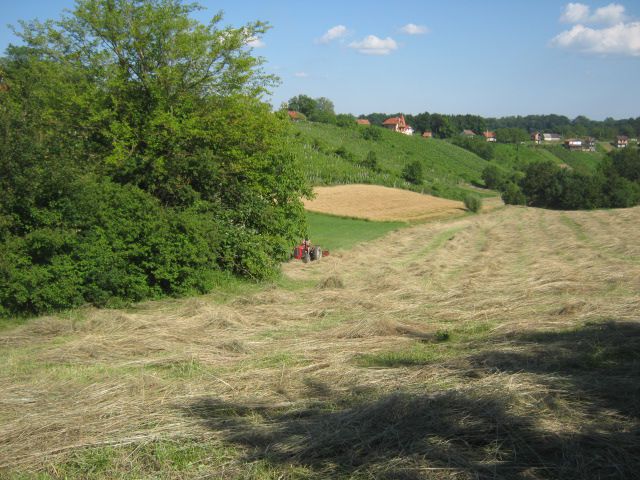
x=598 y=363
x=470 y=433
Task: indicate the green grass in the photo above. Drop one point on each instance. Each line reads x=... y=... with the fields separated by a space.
x=339 y=233
x=582 y=162
x=515 y=157
x=448 y=169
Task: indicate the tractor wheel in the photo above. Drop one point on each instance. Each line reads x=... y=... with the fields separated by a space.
x=305 y=257
x=317 y=253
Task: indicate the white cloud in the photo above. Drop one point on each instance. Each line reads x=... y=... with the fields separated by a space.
x=581 y=14
x=333 y=33
x=413 y=29
x=301 y=74
x=372 y=45
x=575 y=13
x=621 y=39
x=611 y=14
x=255 y=42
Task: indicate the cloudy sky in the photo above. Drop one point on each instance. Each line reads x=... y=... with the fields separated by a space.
x=493 y=58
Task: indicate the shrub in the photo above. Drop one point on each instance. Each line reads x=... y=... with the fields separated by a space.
x=371 y=133
x=371 y=161
x=473 y=203
x=342 y=152
x=512 y=195
x=413 y=173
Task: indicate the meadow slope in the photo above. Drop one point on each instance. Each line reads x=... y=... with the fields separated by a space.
x=501 y=345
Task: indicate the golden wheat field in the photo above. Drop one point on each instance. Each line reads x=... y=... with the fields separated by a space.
x=500 y=345
x=374 y=202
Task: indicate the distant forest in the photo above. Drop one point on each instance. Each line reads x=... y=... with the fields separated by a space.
x=445 y=126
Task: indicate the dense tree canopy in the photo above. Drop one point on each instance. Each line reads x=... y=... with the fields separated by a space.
x=137 y=159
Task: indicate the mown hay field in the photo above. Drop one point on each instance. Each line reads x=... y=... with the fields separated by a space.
x=501 y=345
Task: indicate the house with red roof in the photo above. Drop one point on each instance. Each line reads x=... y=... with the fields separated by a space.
x=427 y=134
x=398 y=124
x=490 y=136
x=296 y=116
x=363 y=121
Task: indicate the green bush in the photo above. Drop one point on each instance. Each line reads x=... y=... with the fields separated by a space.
x=512 y=195
x=370 y=132
x=413 y=172
x=473 y=203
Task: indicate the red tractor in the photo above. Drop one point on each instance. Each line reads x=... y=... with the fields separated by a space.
x=308 y=252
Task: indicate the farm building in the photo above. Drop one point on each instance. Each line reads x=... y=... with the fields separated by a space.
x=490 y=136
x=589 y=144
x=398 y=124
x=622 y=141
x=573 y=144
x=551 y=137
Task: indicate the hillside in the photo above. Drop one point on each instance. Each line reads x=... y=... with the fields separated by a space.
x=332 y=156
x=514 y=156
x=502 y=345
x=447 y=168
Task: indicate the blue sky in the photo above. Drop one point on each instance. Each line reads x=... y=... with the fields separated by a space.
x=492 y=58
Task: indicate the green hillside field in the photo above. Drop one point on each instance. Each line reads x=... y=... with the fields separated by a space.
x=332 y=155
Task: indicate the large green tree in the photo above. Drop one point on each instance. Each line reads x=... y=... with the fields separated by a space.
x=134 y=107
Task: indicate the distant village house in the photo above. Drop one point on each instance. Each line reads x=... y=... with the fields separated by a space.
x=398 y=124
x=427 y=134
x=573 y=144
x=296 y=116
x=622 y=141
x=468 y=133
x=551 y=137
x=363 y=121
x=589 y=144
x=490 y=136
x=536 y=137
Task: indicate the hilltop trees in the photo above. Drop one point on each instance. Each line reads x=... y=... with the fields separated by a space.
x=315 y=109
x=136 y=158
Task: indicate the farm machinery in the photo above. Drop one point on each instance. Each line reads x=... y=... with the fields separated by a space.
x=308 y=252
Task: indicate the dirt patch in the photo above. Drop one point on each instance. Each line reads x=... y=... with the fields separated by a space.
x=374 y=202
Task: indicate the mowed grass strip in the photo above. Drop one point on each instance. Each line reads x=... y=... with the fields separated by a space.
x=524 y=364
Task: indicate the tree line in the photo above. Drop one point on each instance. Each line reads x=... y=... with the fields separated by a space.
x=448 y=126
x=137 y=158
x=615 y=183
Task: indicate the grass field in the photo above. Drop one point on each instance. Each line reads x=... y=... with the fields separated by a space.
x=501 y=345
x=339 y=233
x=514 y=157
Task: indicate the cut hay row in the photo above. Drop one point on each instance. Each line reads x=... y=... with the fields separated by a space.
x=502 y=345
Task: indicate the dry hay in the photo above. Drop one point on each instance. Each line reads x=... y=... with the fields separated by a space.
x=494 y=281
x=374 y=202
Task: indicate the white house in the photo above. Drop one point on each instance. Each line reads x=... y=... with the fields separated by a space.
x=398 y=124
